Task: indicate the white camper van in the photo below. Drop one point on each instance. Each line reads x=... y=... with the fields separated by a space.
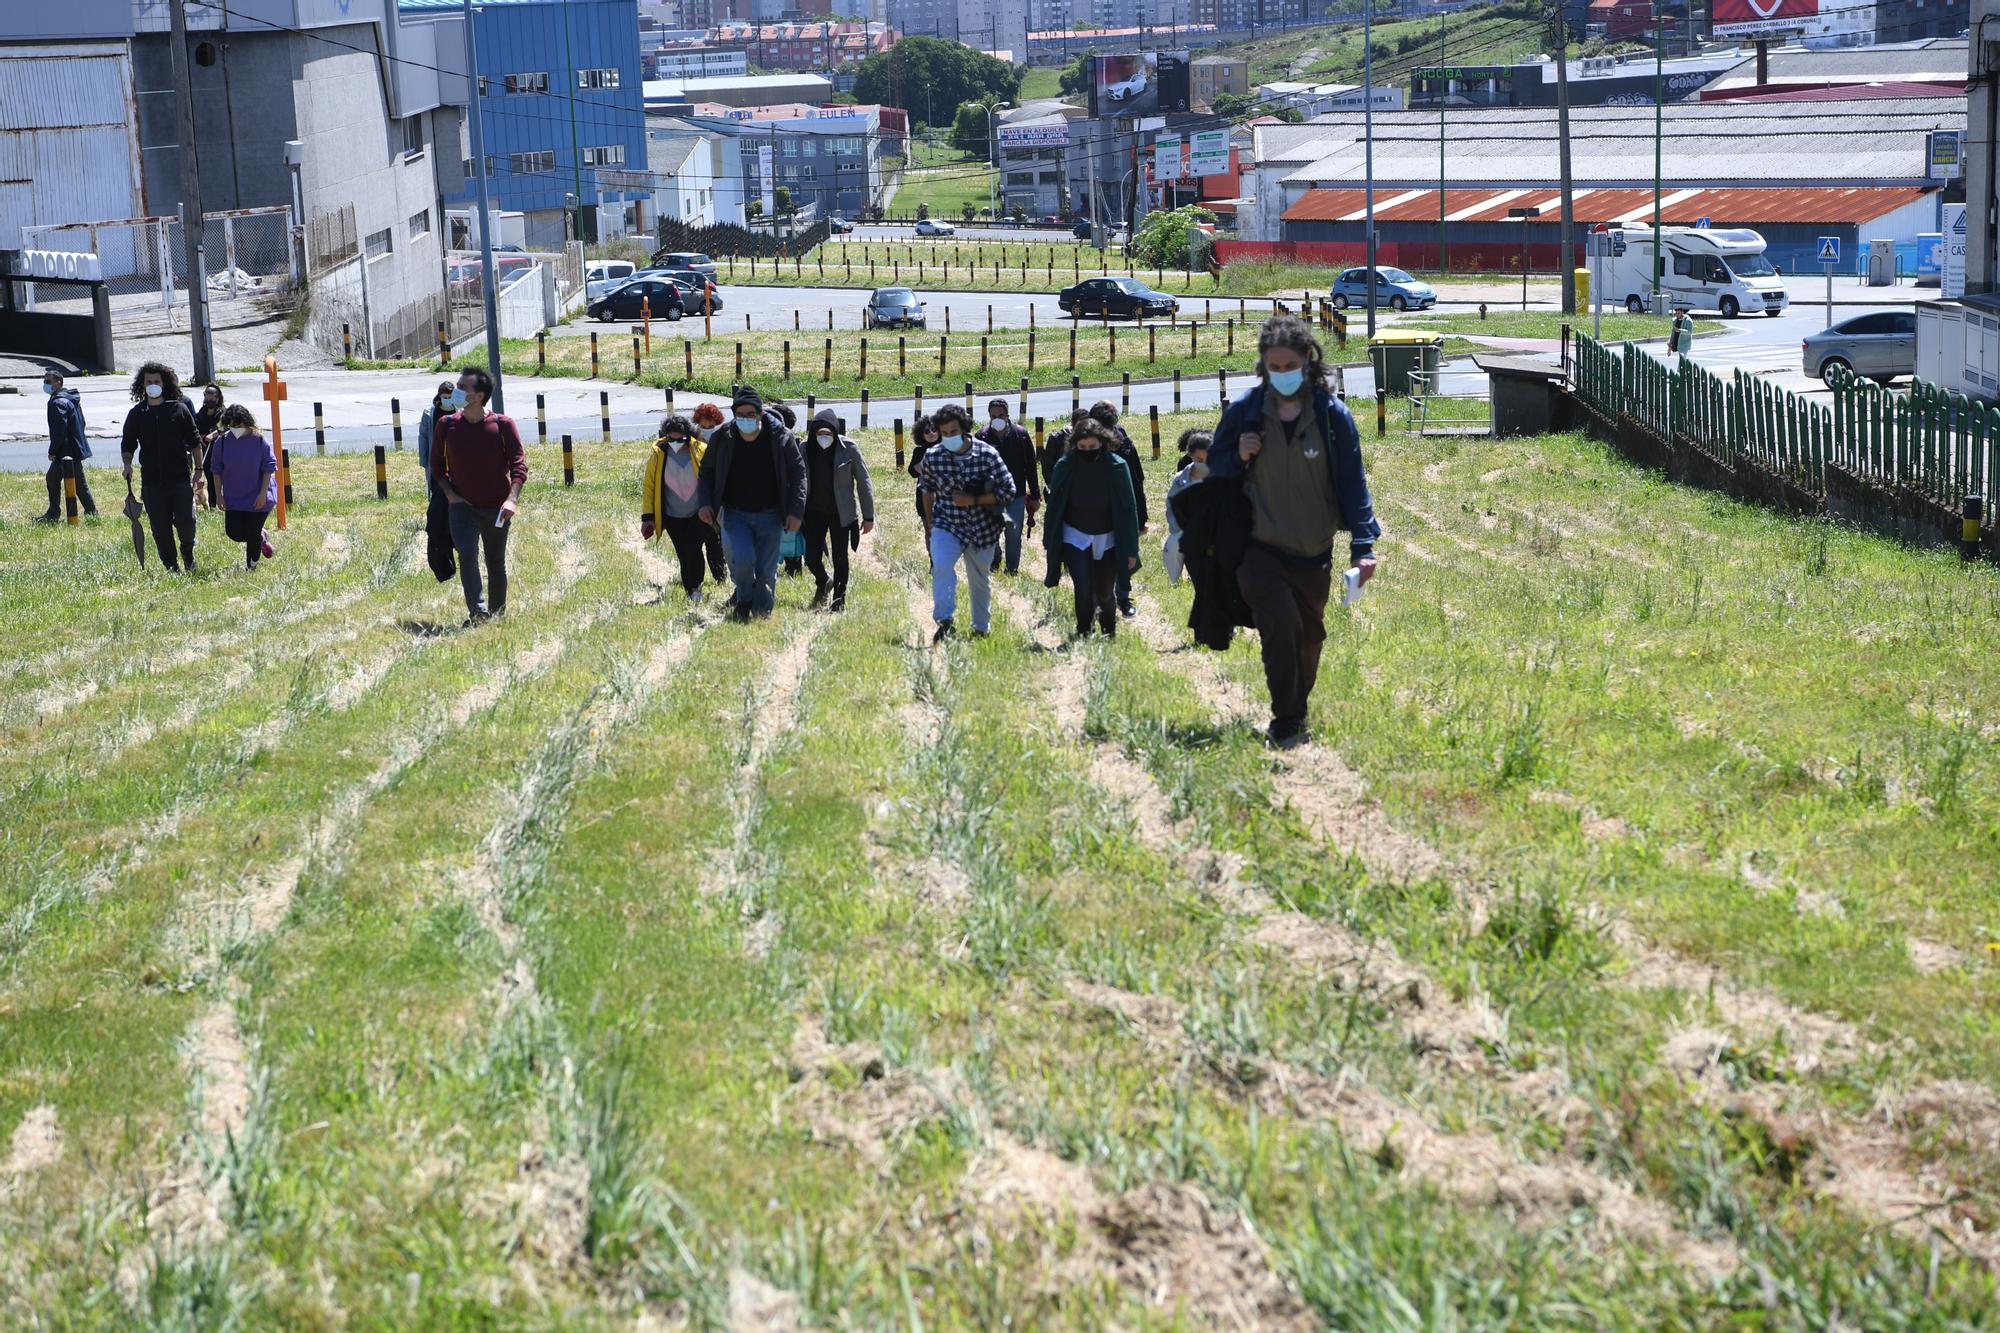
x=1705 y=269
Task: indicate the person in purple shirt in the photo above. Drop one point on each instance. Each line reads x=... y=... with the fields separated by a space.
x=246 y=469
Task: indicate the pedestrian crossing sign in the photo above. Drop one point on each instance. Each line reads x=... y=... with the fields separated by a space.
x=1829 y=249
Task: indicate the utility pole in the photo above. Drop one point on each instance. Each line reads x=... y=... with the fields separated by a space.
x=575 y=152
x=1568 y=227
x=192 y=224
x=1659 y=113
x=1368 y=136
x=489 y=277
x=1443 y=96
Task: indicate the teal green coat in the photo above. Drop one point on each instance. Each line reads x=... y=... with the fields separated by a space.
x=1124 y=509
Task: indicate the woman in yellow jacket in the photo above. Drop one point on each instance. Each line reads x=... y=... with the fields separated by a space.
x=668 y=498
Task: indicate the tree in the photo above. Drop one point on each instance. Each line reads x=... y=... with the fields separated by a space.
x=783 y=197
x=928 y=77
x=968 y=130
x=1075 y=78
x=1235 y=106
x=753 y=208
x=1163 y=241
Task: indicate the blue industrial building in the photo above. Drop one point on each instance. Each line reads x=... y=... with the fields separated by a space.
x=563 y=99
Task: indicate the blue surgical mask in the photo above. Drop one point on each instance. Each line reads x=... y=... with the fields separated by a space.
x=457 y=398
x=48 y=388
x=749 y=425
x=953 y=443
x=1286 y=382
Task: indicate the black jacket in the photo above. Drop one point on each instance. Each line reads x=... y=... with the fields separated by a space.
x=164 y=438
x=438 y=551
x=788 y=464
x=66 y=438
x=1215 y=531
x=1017 y=450
x=1130 y=453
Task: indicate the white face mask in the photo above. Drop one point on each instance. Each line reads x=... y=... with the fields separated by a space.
x=239 y=431
x=154 y=390
x=825 y=440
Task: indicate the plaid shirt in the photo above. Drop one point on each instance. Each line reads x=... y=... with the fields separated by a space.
x=980 y=471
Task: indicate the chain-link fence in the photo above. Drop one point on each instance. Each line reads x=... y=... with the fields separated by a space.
x=347 y=318
x=250 y=267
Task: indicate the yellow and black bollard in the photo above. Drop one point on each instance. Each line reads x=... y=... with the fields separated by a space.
x=285 y=473
x=1124 y=392
x=739 y=362
x=604 y=414
x=541 y=419
x=1152 y=345
x=788 y=359
x=968 y=395
x=1381 y=410
x=69 y=467
x=541 y=351
x=899 y=442
x=1031 y=346
x=864 y=410
x=444 y=347
x=917 y=408
x=944 y=363
x=670 y=397
x=636 y=366
x=396 y=422
x=687 y=356
x=1153 y=415
x=1075 y=394
x=811 y=407
x=1023 y=413
x=1221 y=387
x=1177 y=391
x=902 y=355
x=1040 y=434
x=569 y=462
x=864 y=361
x=1968 y=538
x=982 y=354
x=593 y=354
x=346 y=342
x=1072 y=347
x=319 y=429
x=381 y=473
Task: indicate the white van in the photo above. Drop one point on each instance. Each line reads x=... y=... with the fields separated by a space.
x=605 y=275
x=1705 y=269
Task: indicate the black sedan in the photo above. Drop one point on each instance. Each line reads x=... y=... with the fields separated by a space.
x=1124 y=297
x=893 y=308
x=664 y=298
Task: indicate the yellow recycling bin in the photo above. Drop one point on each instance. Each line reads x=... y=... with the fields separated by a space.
x=1396 y=352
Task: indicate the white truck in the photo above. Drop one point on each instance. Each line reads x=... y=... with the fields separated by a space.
x=1705 y=269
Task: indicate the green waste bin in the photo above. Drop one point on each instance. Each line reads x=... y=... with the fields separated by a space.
x=1396 y=352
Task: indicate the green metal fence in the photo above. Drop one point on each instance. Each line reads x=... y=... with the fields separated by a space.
x=1940 y=444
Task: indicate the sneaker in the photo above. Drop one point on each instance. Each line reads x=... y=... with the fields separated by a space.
x=944 y=631
x=1126 y=609
x=265 y=538
x=1287 y=735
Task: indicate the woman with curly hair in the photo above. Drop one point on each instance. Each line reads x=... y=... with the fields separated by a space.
x=1295 y=448
x=160 y=433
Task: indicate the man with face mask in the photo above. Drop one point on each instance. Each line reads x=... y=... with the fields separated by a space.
x=479 y=466
x=1093 y=528
x=1017 y=450
x=964 y=490
x=840 y=506
x=1295 y=449
x=66 y=443
x=754 y=474
x=160 y=433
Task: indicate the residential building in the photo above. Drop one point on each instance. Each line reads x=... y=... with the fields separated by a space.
x=996 y=25
x=352 y=118
x=565 y=129
x=925 y=18
x=1210 y=77
x=684 y=175
x=805 y=46
x=1909 y=20
x=829 y=158
x=748 y=90
x=1035 y=145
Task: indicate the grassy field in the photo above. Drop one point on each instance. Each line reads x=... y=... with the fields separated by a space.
x=1493 y=35
x=830 y=364
x=946 y=190
x=1623 y=956
x=1040 y=83
x=1039 y=266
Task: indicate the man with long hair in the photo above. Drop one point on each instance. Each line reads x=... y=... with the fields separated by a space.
x=160 y=432
x=1296 y=449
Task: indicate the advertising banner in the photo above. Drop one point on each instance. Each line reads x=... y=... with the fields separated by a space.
x=1762 y=18
x=1167 y=158
x=1953 y=282
x=1035 y=136
x=1208 y=153
x=766 y=185
x=1946 y=155
x=1145 y=83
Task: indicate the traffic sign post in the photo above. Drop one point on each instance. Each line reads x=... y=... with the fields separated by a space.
x=1829 y=255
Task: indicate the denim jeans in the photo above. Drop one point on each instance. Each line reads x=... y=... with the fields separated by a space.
x=946 y=548
x=472 y=530
x=1016 y=513
x=751 y=538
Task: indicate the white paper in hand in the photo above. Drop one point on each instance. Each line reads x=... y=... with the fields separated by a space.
x=1352 y=586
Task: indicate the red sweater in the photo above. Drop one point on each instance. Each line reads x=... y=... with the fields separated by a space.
x=484 y=462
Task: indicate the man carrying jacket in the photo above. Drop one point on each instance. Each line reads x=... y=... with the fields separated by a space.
x=754 y=473
x=66 y=442
x=1297 y=453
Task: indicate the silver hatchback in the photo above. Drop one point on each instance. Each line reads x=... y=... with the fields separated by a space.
x=1877 y=346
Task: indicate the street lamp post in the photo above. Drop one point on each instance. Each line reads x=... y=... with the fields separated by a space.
x=1368 y=154
x=993 y=151
x=1659 y=91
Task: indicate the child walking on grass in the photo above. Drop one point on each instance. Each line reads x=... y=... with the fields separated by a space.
x=246 y=470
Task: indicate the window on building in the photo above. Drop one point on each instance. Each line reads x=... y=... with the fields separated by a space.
x=420 y=223
x=611 y=155
x=791 y=148
x=381 y=243
x=805 y=171
x=597 y=78
x=534 y=81
x=483 y=88
x=413 y=136
x=528 y=164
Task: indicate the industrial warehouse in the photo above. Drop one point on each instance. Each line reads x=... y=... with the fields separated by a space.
x=1856 y=168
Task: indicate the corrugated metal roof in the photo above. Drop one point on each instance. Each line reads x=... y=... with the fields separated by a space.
x=1939 y=58
x=1832 y=206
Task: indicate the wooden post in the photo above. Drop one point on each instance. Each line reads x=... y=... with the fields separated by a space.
x=646 y=321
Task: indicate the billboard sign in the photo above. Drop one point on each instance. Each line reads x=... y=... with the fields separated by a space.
x=1946 y=155
x=1145 y=83
x=1034 y=136
x=1208 y=153
x=766 y=183
x=1952 y=284
x=1167 y=158
x=1763 y=18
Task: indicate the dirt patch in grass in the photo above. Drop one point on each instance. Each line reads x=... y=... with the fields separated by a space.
x=755 y=1306
x=849 y=1094
x=36 y=1143
x=549 y=1199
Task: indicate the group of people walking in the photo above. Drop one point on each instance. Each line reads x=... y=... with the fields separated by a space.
x=213 y=456
x=1253 y=509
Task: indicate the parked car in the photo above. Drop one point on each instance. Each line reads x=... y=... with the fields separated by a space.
x=464 y=273
x=1393 y=288
x=695 y=260
x=934 y=227
x=694 y=290
x=839 y=225
x=1128 y=89
x=1879 y=346
x=662 y=298
x=604 y=275
x=1080 y=229
x=893 y=308
x=1124 y=297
